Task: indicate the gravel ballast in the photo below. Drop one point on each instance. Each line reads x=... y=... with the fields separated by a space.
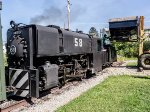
x=66 y=96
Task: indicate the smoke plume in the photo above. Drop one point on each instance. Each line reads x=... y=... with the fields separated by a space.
x=54 y=15
x=49 y=15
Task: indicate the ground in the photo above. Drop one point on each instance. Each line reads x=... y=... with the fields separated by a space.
x=115 y=94
x=119 y=93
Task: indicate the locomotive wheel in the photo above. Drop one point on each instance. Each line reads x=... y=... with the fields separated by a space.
x=144 y=61
x=61 y=82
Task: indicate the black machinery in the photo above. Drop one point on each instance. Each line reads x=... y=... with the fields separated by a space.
x=131 y=29
x=42 y=57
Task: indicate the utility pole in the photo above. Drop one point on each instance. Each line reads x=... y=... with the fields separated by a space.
x=2 y=69
x=68 y=10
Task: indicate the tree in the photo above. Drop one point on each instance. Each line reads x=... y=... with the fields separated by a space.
x=127 y=49
x=93 y=32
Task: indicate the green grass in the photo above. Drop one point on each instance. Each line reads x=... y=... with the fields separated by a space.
x=115 y=94
x=131 y=64
x=120 y=58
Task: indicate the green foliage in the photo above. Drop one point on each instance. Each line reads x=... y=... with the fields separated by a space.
x=93 y=32
x=146 y=45
x=115 y=94
x=126 y=49
x=129 y=49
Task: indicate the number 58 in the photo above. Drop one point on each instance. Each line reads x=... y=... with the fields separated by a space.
x=78 y=42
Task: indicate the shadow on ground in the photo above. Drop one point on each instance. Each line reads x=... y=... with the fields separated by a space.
x=141 y=77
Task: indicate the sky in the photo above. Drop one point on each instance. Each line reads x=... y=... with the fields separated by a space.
x=84 y=13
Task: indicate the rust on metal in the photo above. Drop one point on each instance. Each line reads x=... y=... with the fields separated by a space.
x=123 y=19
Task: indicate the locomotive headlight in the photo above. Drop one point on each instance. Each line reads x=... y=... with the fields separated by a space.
x=12 y=49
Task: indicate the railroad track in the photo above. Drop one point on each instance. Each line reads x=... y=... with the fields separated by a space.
x=10 y=107
x=46 y=96
x=55 y=91
x=13 y=105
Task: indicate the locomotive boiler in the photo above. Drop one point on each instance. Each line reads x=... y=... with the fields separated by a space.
x=43 y=57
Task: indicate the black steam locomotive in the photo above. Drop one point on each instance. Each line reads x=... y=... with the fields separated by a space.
x=43 y=57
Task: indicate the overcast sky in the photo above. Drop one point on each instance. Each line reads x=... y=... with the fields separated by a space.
x=84 y=13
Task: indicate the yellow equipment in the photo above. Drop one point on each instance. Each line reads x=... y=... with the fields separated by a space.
x=131 y=29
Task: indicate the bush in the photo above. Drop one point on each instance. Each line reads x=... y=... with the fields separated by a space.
x=146 y=45
x=127 y=49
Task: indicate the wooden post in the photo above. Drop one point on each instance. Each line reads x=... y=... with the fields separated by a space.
x=141 y=34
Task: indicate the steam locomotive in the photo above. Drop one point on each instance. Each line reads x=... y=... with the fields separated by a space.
x=43 y=57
